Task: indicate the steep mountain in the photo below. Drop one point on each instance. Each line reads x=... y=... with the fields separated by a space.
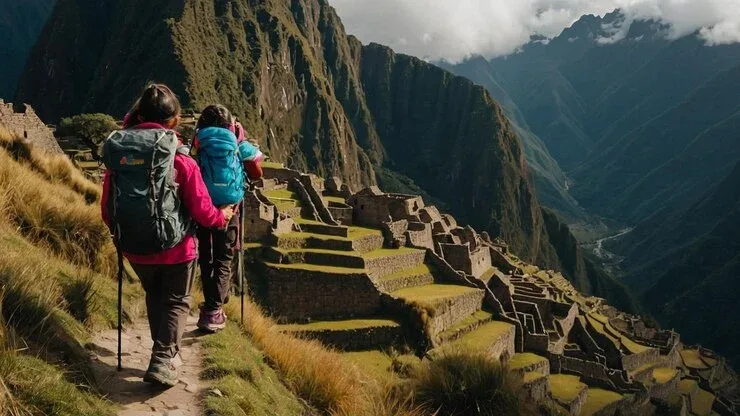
x=315 y=97
x=20 y=22
x=617 y=104
x=646 y=126
x=550 y=180
x=691 y=282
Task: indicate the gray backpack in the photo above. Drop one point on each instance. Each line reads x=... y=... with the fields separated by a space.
x=146 y=213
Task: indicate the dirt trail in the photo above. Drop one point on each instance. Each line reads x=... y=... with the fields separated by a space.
x=126 y=388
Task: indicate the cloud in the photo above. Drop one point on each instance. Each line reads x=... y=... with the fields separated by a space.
x=455 y=29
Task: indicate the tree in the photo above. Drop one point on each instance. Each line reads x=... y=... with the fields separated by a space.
x=92 y=129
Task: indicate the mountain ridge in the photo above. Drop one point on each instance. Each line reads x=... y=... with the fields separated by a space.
x=315 y=98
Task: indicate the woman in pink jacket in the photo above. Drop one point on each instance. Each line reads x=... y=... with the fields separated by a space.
x=167 y=276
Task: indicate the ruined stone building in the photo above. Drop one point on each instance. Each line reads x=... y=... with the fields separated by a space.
x=369 y=270
x=22 y=121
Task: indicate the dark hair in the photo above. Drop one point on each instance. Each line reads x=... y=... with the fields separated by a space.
x=215 y=116
x=157 y=104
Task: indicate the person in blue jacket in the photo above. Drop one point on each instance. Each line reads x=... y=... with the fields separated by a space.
x=225 y=159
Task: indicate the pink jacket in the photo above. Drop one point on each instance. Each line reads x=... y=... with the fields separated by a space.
x=194 y=195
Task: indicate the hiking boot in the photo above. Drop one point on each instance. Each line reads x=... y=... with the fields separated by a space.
x=162 y=373
x=212 y=321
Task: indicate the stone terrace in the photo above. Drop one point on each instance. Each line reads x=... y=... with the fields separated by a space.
x=369 y=271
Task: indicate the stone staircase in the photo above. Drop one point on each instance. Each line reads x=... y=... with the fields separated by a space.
x=344 y=260
x=365 y=282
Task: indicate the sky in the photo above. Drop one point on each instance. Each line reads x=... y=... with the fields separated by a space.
x=455 y=29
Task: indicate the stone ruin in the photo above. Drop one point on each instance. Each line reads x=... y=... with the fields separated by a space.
x=22 y=121
x=375 y=271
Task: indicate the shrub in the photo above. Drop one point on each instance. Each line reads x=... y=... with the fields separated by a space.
x=465 y=383
x=91 y=128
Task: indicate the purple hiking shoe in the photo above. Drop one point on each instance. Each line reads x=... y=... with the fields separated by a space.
x=212 y=321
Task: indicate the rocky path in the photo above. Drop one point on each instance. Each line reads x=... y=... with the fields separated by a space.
x=126 y=388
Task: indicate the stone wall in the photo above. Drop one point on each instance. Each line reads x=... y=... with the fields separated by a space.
x=297 y=295
x=313 y=187
x=358 y=339
x=419 y=235
x=446 y=315
x=22 y=121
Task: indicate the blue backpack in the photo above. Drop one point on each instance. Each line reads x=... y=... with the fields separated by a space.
x=221 y=165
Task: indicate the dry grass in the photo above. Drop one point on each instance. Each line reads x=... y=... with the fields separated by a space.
x=462 y=383
x=53 y=212
x=313 y=372
x=55 y=168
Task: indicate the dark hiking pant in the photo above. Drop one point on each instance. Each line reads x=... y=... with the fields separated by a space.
x=167 y=288
x=216 y=253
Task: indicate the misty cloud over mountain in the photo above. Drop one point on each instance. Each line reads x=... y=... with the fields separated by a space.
x=453 y=30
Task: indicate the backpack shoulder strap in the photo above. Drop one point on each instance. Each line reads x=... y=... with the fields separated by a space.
x=183 y=150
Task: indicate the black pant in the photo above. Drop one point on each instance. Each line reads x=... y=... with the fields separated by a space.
x=216 y=250
x=167 y=288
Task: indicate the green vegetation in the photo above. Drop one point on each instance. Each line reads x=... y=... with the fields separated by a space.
x=483 y=337
x=340 y=325
x=249 y=385
x=389 y=252
x=525 y=360
x=597 y=399
x=280 y=194
x=701 y=403
x=272 y=165
x=430 y=296
x=466 y=384
x=337 y=199
x=531 y=376
x=565 y=388
x=357 y=232
x=317 y=268
x=91 y=128
x=687 y=386
x=374 y=364
x=56 y=273
x=663 y=375
x=692 y=359
x=410 y=272
x=315 y=374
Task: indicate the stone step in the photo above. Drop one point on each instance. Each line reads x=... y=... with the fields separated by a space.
x=413 y=276
x=534 y=386
x=465 y=326
x=318 y=257
x=526 y=362
x=568 y=391
x=351 y=334
x=495 y=338
x=385 y=261
x=315 y=227
x=444 y=304
x=600 y=402
x=360 y=243
x=298 y=292
x=701 y=400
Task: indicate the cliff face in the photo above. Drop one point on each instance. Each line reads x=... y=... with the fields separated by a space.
x=20 y=24
x=316 y=98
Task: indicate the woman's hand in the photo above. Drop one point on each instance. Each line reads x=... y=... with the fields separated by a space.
x=228 y=212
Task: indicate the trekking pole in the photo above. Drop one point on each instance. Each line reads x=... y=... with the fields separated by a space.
x=241 y=256
x=120 y=303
